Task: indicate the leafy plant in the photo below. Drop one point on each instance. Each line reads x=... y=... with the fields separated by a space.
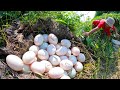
x=6 y=17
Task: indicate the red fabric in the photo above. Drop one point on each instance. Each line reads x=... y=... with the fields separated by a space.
x=101 y=24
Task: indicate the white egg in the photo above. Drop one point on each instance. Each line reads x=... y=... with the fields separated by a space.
x=38 y=40
x=43 y=54
x=48 y=65
x=14 y=62
x=75 y=51
x=73 y=59
x=65 y=73
x=66 y=64
x=65 y=77
x=51 y=49
x=58 y=45
x=78 y=66
x=72 y=73
x=63 y=57
x=28 y=57
x=34 y=48
x=43 y=46
x=81 y=57
x=66 y=43
x=56 y=73
x=35 y=59
x=68 y=53
x=61 y=51
x=45 y=36
x=55 y=60
x=52 y=39
x=26 y=68
x=37 y=67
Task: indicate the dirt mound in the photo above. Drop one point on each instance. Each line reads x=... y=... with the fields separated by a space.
x=19 y=37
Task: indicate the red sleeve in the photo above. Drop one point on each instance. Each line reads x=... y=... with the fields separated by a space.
x=101 y=24
x=96 y=22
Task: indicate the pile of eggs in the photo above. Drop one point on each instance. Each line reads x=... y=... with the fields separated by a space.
x=47 y=55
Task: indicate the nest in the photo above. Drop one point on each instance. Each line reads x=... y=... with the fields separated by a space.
x=19 y=37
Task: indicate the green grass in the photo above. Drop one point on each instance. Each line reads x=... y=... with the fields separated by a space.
x=102 y=48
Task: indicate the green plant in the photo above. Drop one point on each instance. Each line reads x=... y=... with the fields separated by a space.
x=6 y=17
x=102 y=47
x=69 y=18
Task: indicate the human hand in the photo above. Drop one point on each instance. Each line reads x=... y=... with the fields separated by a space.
x=86 y=34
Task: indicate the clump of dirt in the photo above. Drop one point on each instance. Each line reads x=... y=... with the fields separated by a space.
x=19 y=37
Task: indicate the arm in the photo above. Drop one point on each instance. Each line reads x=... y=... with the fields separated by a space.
x=91 y=31
x=96 y=25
